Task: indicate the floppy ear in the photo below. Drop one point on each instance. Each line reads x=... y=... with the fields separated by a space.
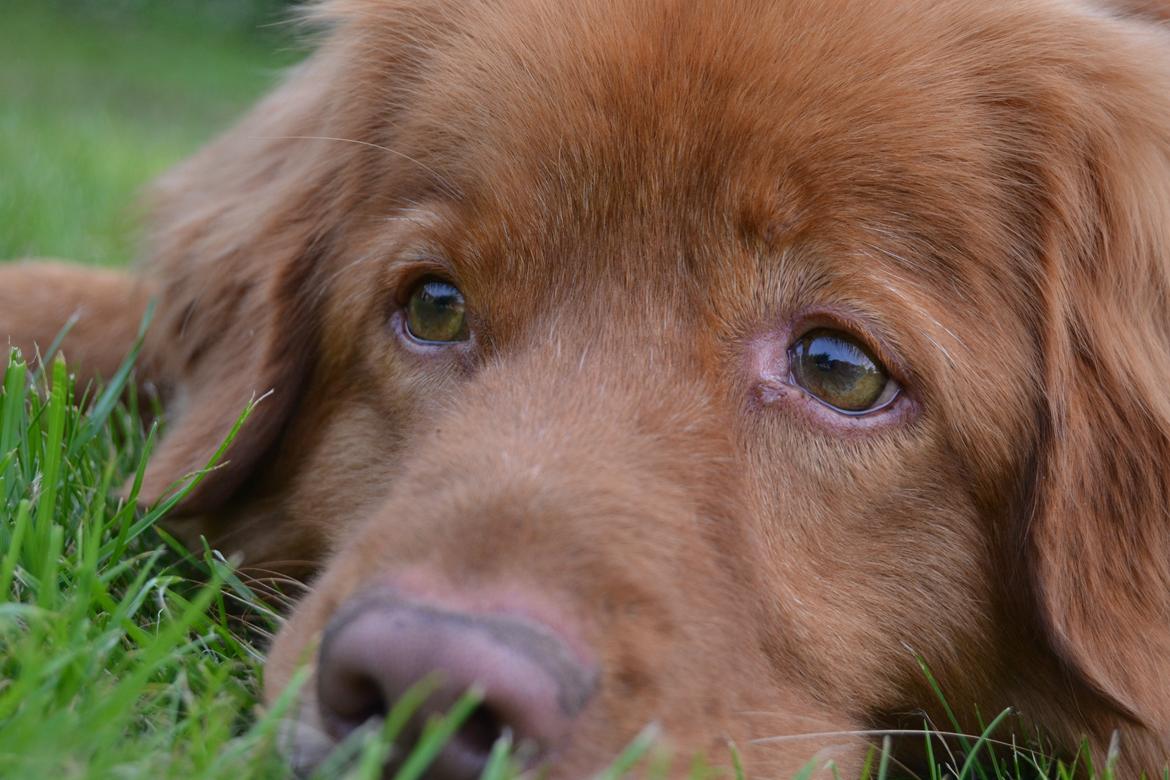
x=238 y=235
x=1100 y=533
x=242 y=233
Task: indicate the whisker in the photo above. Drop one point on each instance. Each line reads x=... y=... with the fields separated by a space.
x=266 y=567
x=280 y=602
x=272 y=585
x=881 y=733
x=271 y=595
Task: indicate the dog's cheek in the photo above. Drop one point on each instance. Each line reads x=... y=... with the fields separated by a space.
x=875 y=553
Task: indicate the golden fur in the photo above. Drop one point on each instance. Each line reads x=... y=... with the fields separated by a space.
x=638 y=198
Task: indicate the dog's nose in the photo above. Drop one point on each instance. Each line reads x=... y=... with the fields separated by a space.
x=379 y=646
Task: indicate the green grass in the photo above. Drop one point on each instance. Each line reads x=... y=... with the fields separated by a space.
x=96 y=104
x=122 y=656
x=114 y=659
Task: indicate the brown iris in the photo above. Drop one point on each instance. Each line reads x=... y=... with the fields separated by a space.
x=435 y=312
x=838 y=370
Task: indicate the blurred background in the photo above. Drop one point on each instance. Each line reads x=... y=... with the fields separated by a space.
x=99 y=96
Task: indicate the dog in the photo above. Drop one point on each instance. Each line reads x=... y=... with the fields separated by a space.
x=717 y=366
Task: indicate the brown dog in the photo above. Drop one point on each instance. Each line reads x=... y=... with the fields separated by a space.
x=691 y=363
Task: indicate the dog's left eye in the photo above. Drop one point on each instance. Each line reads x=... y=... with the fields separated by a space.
x=435 y=312
x=839 y=371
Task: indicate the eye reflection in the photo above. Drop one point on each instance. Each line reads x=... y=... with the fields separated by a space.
x=435 y=312
x=838 y=370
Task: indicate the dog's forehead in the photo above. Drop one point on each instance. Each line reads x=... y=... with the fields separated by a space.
x=780 y=154
x=767 y=117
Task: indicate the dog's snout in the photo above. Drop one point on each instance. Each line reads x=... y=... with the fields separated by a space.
x=380 y=646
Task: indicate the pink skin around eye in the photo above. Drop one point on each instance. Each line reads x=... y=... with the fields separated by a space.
x=772 y=388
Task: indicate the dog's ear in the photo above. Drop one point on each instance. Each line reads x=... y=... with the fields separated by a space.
x=242 y=233
x=1099 y=534
x=237 y=236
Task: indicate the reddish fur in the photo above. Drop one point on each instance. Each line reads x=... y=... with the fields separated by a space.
x=98 y=312
x=632 y=195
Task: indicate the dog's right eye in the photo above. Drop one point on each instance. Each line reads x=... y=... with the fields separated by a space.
x=435 y=312
x=839 y=371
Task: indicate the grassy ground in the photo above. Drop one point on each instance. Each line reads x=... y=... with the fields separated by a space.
x=120 y=655
x=96 y=102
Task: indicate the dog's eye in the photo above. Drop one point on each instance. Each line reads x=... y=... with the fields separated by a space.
x=836 y=369
x=435 y=312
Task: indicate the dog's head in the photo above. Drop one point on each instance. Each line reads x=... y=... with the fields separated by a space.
x=699 y=364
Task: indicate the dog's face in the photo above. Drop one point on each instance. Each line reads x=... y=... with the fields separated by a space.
x=725 y=361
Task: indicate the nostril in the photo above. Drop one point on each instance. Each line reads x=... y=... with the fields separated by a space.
x=482 y=729
x=354 y=699
x=380 y=646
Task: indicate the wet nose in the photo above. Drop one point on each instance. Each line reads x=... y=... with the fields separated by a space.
x=380 y=645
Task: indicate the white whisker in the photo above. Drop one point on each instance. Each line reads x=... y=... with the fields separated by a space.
x=880 y=733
